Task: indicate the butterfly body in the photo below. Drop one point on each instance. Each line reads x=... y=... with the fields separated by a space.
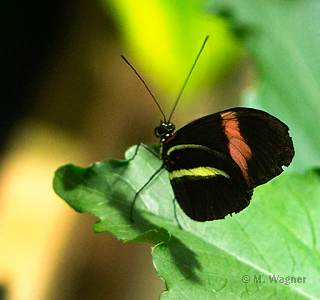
x=215 y=162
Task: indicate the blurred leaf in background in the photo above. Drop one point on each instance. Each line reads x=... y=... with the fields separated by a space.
x=163 y=38
x=283 y=37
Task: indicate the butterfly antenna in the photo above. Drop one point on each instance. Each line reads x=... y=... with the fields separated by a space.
x=185 y=83
x=155 y=100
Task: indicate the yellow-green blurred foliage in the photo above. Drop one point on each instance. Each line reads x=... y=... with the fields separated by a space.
x=162 y=39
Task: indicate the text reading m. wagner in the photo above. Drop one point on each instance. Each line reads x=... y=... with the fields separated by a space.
x=274 y=279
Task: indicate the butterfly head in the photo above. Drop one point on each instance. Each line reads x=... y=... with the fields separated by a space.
x=165 y=130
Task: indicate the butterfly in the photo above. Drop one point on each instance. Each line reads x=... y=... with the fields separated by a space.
x=216 y=161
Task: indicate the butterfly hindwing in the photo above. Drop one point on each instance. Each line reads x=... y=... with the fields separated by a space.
x=207 y=185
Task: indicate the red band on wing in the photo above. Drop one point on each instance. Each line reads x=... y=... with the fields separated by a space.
x=170 y=138
x=239 y=149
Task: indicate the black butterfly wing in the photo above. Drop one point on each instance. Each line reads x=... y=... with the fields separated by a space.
x=207 y=185
x=270 y=144
x=248 y=145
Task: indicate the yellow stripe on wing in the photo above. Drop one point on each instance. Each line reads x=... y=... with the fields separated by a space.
x=187 y=146
x=197 y=173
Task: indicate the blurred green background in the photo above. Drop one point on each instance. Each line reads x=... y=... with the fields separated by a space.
x=68 y=97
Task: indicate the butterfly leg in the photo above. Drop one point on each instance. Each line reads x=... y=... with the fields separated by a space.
x=145 y=147
x=139 y=191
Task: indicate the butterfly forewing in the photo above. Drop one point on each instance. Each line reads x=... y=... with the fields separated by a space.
x=270 y=144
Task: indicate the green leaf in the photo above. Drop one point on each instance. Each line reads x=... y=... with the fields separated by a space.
x=283 y=37
x=276 y=235
x=106 y=189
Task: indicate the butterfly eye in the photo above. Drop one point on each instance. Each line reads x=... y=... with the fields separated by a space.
x=161 y=130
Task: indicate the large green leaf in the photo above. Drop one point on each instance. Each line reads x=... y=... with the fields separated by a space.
x=276 y=235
